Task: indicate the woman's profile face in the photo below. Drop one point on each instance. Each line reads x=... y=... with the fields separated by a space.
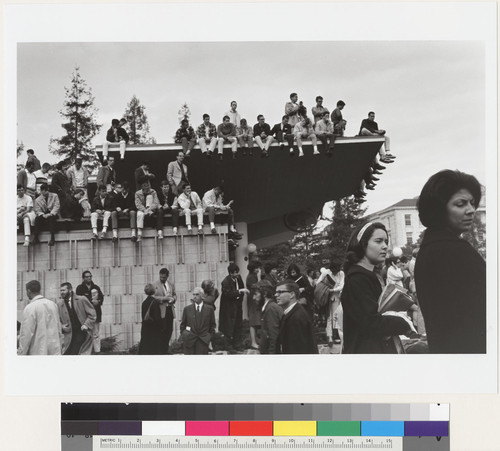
x=460 y=211
x=376 y=250
x=257 y=296
x=293 y=272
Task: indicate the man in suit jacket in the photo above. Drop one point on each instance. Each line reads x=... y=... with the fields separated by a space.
x=142 y=173
x=148 y=206
x=77 y=318
x=283 y=131
x=197 y=325
x=46 y=211
x=190 y=204
x=177 y=174
x=270 y=320
x=231 y=312
x=296 y=334
x=104 y=207
x=166 y=296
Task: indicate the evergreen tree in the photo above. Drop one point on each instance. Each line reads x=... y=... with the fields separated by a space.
x=138 y=126
x=20 y=148
x=80 y=123
x=184 y=112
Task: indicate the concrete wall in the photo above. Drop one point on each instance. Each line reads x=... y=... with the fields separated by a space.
x=123 y=269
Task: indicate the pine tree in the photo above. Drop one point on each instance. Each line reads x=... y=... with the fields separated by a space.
x=81 y=125
x=138 y=126
x=20 y=148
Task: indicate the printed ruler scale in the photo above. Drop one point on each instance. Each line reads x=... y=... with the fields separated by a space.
x=101 y=443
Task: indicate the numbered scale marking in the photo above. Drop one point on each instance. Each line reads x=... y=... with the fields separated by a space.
x=102 y=443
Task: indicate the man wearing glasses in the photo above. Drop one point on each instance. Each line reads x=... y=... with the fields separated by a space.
x=296 y=329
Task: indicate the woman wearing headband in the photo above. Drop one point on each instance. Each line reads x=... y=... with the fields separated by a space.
x=450 y=275
x=365 y=330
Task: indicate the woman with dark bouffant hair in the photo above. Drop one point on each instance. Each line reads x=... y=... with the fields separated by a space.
x=450 y=275
x=365 y=330
x=151 y=330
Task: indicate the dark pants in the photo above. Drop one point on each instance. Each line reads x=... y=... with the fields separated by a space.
x=187 y=144
x=167 y=328
x=212 y=211
x=199 y=347
x=238 y=320
x=288 y=137
x=175 y=215
x=327 y=138
x=132 y=215
x=41 y=221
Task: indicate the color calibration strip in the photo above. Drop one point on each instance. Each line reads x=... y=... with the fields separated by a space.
x=257 y=420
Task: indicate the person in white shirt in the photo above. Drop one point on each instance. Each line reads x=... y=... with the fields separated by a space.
x=234 y=116
x=41 y=331
x=25 y=213
x=395 y=272
x=213 y=203
x=42 y=176
x=190 y=204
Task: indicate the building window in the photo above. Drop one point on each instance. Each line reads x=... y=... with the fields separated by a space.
x=408 y=220
x=409 y=238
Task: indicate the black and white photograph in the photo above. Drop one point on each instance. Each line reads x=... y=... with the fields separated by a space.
x=246 y=199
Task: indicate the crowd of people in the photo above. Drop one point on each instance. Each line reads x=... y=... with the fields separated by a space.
x=116 y=199
x=445 y=280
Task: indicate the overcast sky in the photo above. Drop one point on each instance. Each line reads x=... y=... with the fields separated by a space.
x=428 y=95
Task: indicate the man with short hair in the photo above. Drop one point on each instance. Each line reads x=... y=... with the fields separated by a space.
x=262 y=135
x=143 y=172
x=244 y=135
x=104 y=207
x=40 y=327
x=148 y=207
x=25 y=214
x=296 y=334
x=319 y=110
x=226 y=133
x=325 y=133
x=283 y=131
x=32 y=157
x=339 y=122
x=166 y=296
x=234 y=116
x=190 y=204
x=77 y=317
x=167 y=201
x=177 y=174
x=42 y=176
x=212 y=203
x=231 y=311
x=207 y=135
x=186 y=136
x=370 y=128
x=197 y=325
x=125 y=206
x=107 y=174
x=122 y=137
x=78 y=176
x=304 y=129
x=112 y=138
x=46 y=210
x=27 y=179
x=96 y=297
x=292 y=109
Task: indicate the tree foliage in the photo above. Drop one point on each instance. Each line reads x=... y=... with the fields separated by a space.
x=79 y=114
x=138 y=125
x=20 y=148
x=309 y=249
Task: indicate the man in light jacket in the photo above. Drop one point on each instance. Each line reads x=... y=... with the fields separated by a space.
x=40 y=328
x=190 y=204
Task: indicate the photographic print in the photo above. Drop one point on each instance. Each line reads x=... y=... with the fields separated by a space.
x=254 y=199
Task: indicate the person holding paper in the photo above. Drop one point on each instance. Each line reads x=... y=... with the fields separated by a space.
x=366 y=331
x=450 y=275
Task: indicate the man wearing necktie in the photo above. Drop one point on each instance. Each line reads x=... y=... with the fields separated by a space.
x=77 y=318
x=177 y=174
x=165 y=295
x=197 y=325
x=231 y=312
